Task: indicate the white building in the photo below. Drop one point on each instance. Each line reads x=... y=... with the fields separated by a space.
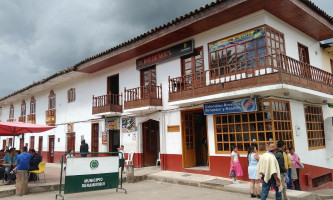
x=255 y=67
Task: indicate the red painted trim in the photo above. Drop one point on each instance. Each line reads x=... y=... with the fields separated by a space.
x=137 y=159
x=220 y=165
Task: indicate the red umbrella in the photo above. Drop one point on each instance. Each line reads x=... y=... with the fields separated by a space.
x=18 y=128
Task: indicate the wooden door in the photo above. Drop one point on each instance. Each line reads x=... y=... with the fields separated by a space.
x=148 y=82
x=114 y=140
x=40 y=146
x=10 y=142
x=305 y=59
x=32 y=142
x=150 y=142
x=51 y=149
x=94 y=138
x=21 y=144
x=4 y=144
x=188 y=138
x=193 y=69
x=71 y=142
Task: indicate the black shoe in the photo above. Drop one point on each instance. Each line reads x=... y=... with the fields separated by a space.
x=259 y=196
x=253 y=196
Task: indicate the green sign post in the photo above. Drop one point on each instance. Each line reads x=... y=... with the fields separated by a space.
x=91 y=173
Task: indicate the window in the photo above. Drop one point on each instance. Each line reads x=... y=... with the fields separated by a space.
x=11 y=112
x=71 y=95
x=314 y=126
x=23 y=108
x=52 y=101
x=234 y=54
x=32 y=106
x=148 y=81
x=193 y=65
x=270 y=124
x=303 y=53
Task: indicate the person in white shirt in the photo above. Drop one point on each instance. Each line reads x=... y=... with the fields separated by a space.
x=121 y=154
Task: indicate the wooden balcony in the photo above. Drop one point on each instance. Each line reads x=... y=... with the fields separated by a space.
x=266 y=70
x=22 y=119
x=107 y=103
x=50 y=117
x=143 y=96
x=31 y=119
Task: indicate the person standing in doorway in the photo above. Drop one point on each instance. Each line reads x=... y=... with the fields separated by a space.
x=283 y=170
x=268 y=169
x=84 y=148
x=235 y=167
x=252 y=160
x=296 y=160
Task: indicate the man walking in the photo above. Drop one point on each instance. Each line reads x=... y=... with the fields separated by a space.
x=268 y=168
x=283 y=170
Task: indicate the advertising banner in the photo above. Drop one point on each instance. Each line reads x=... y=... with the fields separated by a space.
x=165 y=55
x=91 y=173
x=128 y=125
x=234 y=40
x=112 y=123
x=234 y=106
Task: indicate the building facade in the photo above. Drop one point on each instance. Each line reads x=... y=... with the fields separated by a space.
x=232 y=73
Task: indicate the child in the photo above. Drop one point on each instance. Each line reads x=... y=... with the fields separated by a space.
x=235 y=165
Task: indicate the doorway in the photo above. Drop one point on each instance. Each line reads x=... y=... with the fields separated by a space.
x=32 y=142
x=148 y=82
x=21 y=143
x=4 y=144
x=114 y=140
x=151 y=144
x=113 y=84
x=40 y=146
x=194 y=139
x=94 y=138
x=71 y=141
x=51 y=149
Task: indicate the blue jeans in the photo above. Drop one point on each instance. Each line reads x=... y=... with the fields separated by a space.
x=10 y=177
x=290 y=182
x=267 y=186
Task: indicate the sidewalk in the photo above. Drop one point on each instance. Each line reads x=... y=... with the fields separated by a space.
x=152 y=173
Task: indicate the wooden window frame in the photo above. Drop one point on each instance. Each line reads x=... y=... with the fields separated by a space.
x=11 y=112
x=272 y=46
x=71 y=95
x=300 y=46
x=314 y=121
x=331 y=61
x=32 y=106
x=193 y=60
x=52 y=97
x=23 y=109
x=268 y=122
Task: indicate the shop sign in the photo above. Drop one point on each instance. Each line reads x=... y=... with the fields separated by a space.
x=129 y=125
x=234 y=40
x=91 y=173
x=165 y=55
x=234 y=106
x=112 y=123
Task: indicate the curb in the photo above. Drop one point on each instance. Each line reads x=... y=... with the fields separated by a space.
x=32 y=189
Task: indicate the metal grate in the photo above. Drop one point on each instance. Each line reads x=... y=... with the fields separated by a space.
x=321 y=180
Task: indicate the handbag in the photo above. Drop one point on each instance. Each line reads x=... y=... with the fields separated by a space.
x=300 y=165
x=233 y=173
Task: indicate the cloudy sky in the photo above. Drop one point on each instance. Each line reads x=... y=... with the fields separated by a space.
x=39 y=38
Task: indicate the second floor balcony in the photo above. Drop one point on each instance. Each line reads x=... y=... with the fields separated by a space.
x=50 y=116
x=107 y=104
x=262 y=71
x=31 y=118
x=22 y=118
x=143 y=97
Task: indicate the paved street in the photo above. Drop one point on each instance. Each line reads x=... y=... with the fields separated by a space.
x=143 y=190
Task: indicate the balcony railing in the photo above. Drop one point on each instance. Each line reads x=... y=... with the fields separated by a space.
x=31 y=118
x=22 y=118
x=50 y=117
x=107 y=103
x=148 y=95
x=265 y=70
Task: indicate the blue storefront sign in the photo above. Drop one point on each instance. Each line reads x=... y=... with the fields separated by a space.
x=235 y=106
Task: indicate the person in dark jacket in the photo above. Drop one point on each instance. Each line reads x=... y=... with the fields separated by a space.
x=84 y=148
x=34 y=162
x=279 y=156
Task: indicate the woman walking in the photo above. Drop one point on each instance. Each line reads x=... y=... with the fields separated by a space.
x=252 y=160
x=235 y=167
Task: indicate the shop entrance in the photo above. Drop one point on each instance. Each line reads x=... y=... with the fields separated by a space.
x=151 y=144
x=51 y=149
x=194 y=138
x=94 y=138
x=114 y=140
